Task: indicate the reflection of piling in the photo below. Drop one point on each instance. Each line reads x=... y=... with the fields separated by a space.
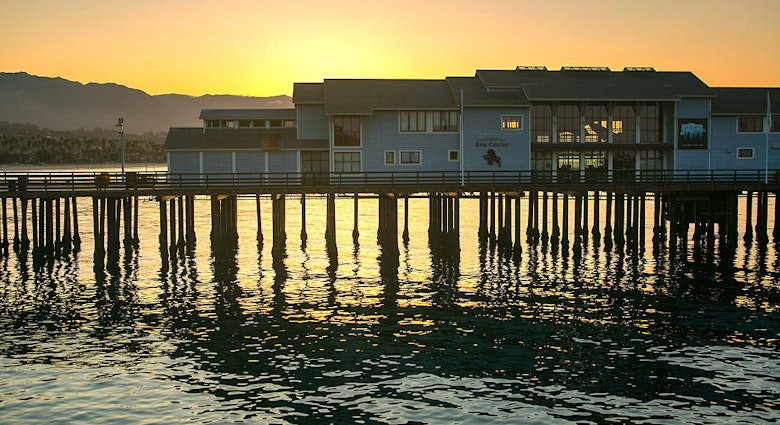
x=304 y=236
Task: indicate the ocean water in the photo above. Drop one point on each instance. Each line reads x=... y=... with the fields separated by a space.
x=468 y=336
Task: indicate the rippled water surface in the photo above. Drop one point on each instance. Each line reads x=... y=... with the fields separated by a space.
x=611 y=336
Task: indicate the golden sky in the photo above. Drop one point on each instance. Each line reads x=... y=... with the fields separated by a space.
x=261 y=48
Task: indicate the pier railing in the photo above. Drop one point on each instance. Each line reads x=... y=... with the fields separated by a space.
x=368 y=181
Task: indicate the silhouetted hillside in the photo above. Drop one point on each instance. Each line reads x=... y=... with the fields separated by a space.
x=60 y=104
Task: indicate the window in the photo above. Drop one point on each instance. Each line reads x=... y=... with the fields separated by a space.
x=346 y=130
x=541 y=124
x=745 y=153
x=568 y=124
x=389 y=157
x=412 y=121
x=649 y=125
x=219 y=123
x=596 y=129
x=288 y=123
x=445 y=121
x=258 y=123
x=750 y=124
x=244 y=123
x=511 y=122
x=775 y=125
x=624 y=125
x=346 y=162
x=410 y=157
x=651 y=160
x=454 y=156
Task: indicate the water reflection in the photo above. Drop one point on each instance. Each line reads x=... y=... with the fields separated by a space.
x=430 y=333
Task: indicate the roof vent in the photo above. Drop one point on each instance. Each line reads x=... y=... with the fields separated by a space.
x=586 y=68
x=639 y=69
x=531 y=68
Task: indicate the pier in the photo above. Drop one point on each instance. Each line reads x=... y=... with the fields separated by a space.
x=516 y=210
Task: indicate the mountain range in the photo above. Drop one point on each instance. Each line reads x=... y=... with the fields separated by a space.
x=60 y=104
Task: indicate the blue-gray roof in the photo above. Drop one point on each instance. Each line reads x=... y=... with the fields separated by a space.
x=361 y=97
x=595 y=85
x=308 y=93
x=745 y=101
x=247 y=114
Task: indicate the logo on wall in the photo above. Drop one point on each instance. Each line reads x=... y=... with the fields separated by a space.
x=692 y=134
x=492 y=158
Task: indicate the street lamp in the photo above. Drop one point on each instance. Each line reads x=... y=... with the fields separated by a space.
x=120 y=128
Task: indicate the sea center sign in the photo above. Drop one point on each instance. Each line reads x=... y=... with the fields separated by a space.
x=491 y=142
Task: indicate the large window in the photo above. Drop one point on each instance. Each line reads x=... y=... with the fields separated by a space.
x=651 y=160
x=623 y=124
x=346 y=130
x=412 y=121
x=541 y=165
x=568 y=165
x=541 y=124
x=409 y=157
x=596 y=127
x=511 y=122
x=445 y=121
x=346 y=162
x=649 y=125
x=750 y=124
x=568 y=124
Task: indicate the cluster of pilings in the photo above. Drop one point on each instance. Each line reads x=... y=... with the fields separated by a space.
x=610 y=218
x=108 y=215
x=53 y=221
x=177 y=219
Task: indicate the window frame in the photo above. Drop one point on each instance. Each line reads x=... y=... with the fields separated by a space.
x=359 y=131
x=401 y=157
x=753 y=118
x=393 y=158
x=745 y=149
x=418 y=116
x=508 y=119
x=451 y=126
x=457 y=155
x=336 y=160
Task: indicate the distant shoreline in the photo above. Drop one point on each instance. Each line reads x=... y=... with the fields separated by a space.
x=113 y=166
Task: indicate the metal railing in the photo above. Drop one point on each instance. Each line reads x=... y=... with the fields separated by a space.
x=91 y=181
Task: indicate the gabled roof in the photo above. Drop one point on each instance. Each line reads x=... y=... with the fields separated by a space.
x=308 y=93
x=196 y=138
x=475 y=95
x=247 y=114
x=595 y=85
x=745 y=101
x=362 y=97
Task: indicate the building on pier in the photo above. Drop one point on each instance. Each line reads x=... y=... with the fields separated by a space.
x=572 y=123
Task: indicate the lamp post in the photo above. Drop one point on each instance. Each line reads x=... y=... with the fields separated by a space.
x=120 y=128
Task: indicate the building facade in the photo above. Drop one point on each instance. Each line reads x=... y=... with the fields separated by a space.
x=572 y=123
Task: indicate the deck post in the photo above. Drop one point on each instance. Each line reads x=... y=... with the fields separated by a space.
x=556 y=230
x=330 y=225
x=259 y=220
x=578 y=207
x=749 y=218
x=585 y=221
x=76 y=236
x=545 y=233
x=608 y=221
x=565 y=222
x=596 y=217
x=304 y=236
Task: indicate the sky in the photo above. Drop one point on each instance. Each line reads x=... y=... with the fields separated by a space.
x=260 y=48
